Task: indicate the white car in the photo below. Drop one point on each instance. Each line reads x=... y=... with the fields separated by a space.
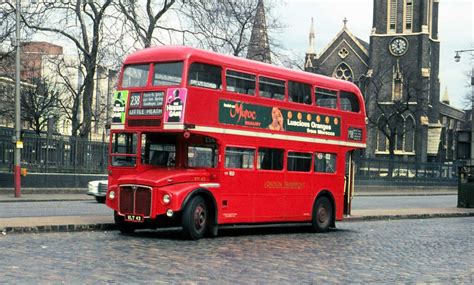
x=98 y=189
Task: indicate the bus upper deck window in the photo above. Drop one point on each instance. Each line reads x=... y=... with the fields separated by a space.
x=349 y=102
x=205 y=75
x=326 y=98
x=168 y=73
x=135 y=75
x=271 y=88
x=240 y=82
x=299 y=92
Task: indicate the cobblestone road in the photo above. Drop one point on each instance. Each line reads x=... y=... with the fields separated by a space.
x=401 y=251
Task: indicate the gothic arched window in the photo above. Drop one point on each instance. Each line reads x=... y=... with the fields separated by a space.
x=381 y=137
x=409 y=134
x=343 y=71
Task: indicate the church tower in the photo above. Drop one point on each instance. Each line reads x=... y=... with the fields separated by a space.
x=259 y=47
x=403 y=71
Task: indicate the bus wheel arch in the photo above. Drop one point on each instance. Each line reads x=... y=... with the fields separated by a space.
x=323 y=212
x=211 y=206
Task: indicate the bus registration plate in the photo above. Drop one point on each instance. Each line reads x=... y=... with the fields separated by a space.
x=134 y=218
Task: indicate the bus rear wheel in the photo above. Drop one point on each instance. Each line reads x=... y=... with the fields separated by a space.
x=195 y=218
x=322 y=215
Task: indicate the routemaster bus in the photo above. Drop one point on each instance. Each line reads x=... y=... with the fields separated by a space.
x=202 y=140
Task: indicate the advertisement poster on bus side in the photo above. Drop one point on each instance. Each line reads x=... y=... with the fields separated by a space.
x=277 y=119
x=120 y=100
x=175 y=104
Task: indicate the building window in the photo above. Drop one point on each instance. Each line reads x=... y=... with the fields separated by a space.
x=409 y=15
x=397 y=84
x=392 y=12
x=382 y=129
x=409 y=134
x=343 y=72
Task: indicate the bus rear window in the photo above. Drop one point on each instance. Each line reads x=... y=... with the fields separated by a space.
x=205 y=75
x=135 y=75
x=349 y=102
x=168 y=73
x=271 y=88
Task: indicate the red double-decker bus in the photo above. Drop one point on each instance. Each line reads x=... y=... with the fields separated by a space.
x=203 y=140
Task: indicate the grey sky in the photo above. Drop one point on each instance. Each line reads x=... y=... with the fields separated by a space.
x=455 y=32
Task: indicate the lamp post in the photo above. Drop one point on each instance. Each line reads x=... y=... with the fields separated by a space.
x=457 y=58
x=18 y=142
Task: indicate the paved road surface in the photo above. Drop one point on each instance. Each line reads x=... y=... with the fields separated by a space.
x=90 y=207
x=435 y=251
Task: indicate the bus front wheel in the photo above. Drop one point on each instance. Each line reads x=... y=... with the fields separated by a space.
x=195 y=218
x=322 y=215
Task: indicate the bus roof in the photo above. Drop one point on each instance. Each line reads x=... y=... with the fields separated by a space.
x=154 y=54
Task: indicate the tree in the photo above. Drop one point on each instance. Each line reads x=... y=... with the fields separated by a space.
x=393 y=117
x=142 y=21
x=39 y=104
x=80 y=22
x=225 y=25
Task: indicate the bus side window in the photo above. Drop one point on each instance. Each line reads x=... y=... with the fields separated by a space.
x=349 y=102
x=270 y=159
x=271 y=88
x=299 y=161
x=240 y=82
x=236 y=157
x=299 y=92
x=325 y=162
x=205 y=75
x=326 y=98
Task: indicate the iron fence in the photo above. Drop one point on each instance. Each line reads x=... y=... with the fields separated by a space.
x=58 y=154
x=407 y=172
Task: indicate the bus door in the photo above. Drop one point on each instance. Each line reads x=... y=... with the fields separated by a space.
x=238 y=180
x=349 y=183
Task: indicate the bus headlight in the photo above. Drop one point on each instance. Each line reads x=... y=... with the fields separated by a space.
x=112 y=195
x=166 y=198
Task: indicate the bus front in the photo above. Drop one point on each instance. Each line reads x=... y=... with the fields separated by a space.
x=156 y=167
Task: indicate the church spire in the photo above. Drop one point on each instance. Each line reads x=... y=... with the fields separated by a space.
x=311 y=38
x=445 y=98
x=259 y=48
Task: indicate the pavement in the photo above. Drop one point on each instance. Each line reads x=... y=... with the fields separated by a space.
x=92 y=223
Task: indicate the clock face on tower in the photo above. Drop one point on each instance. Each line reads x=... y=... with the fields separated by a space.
x=398 y=46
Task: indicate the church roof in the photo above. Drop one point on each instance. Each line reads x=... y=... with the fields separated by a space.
x=362 y=45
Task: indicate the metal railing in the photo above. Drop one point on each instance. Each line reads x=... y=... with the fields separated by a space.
x=403 y=172
x=58 y=154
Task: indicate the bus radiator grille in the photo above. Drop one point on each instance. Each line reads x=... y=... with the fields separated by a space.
x=135 y=200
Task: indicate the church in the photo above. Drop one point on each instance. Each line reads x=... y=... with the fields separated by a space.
x=398 y=73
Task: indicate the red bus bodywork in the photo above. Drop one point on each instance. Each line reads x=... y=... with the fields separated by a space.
x=228 y=121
